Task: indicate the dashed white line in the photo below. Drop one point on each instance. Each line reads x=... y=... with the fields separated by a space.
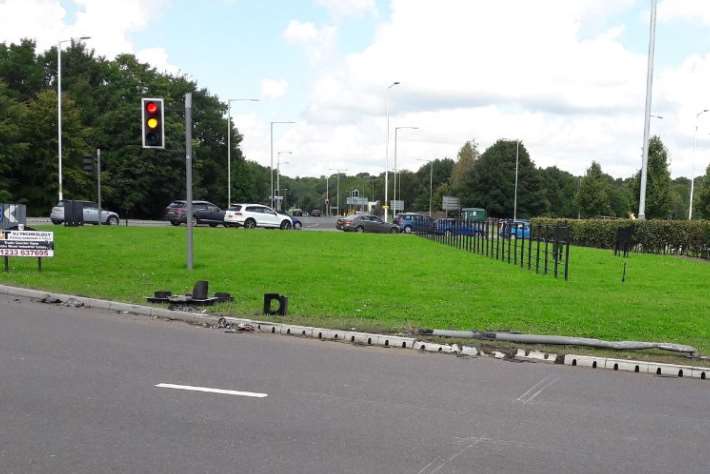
x=212 y=390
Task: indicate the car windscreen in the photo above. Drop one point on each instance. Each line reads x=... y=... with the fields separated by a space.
x=175 y=204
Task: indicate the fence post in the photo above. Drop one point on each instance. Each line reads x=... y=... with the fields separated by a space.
x=537 y=257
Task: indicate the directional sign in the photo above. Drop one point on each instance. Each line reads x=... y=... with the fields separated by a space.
x=397 y=205
x=12 y=215
x=26 y=244
x=356 y=201
x=450 y=203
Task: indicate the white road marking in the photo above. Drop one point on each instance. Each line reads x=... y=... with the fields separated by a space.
x=530 y=394
x=212 y=390
x=548 y=384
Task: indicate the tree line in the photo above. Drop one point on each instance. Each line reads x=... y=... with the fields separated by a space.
x=101 y=109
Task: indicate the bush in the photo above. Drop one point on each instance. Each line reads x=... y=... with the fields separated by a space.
x=691 y=238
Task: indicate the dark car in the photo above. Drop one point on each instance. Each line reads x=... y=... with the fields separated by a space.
x=365 y=223
x=204 y=212
x=520 y=229
x=315 y=213
x=412 y=222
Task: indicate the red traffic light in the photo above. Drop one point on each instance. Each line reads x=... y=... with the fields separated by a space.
x=151 y=107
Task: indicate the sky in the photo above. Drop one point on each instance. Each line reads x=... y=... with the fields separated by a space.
x=567 y=77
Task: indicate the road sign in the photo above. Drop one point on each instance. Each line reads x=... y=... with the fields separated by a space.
x=450 y=203
x=18 y=243
x=397 y=205
x=356 y=201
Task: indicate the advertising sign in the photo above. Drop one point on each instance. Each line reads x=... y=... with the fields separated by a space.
x=19 y=243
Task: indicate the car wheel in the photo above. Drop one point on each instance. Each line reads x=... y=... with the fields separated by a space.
x=56 y=222
x=359 y=229
x=249 y=224
x=297 y=226
x=408 y=229
x=394 y=230
x=112 y=220
x=213 y=225
x=285 y=225
x=175 y=223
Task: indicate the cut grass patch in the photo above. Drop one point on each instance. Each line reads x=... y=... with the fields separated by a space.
x=384 y=282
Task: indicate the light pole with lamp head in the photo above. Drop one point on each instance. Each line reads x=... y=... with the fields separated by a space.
x=59 y=107
x=692 y=167
x=647 y=119
x=337 y=187
x=396 y=169
x=387 y=148
x=271 y=168
x=229 y=146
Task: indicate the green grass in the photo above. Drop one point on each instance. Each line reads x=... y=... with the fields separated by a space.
x=385 y=282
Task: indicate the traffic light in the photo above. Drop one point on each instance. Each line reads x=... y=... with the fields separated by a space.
x=88 y=164
x=153 y=126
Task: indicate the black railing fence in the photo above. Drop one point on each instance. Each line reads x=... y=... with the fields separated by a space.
x=540 y=248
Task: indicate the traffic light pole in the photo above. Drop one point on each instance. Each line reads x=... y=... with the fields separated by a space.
x=98 y=180
x=188 y=174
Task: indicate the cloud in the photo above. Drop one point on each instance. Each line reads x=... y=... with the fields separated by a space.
x=108 y=23
x=319 y=42
x=696 y=11
x=158 y=58
x=559 y=78
x=343 y=8
x=273 y=88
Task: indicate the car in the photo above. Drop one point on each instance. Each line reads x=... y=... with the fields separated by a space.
x=204 y=212
x=450 y=226
x=315 y=213
x=91 y=214
x=297 y=224
x=520 y=229
x=256 y=215
x=409 y=222
x=365 y=223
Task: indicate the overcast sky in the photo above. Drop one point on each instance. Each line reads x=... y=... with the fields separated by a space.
x=565 y=76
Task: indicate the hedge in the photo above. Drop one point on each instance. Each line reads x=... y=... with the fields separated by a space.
x=691 y=238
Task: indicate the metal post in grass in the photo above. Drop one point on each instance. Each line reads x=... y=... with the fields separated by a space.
x=547 y=242
x=530 y=237
x=522 y=249
x=537 y=255
x=188 y=174
x=567 y=260
x=510 y=243
x=515 y=249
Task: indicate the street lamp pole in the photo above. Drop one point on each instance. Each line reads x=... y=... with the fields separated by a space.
x=692 y=167
x=647 y=119
x=271 y=167
x=515 y=192
x=229 y=146
x=396 y=169
x=387 y=149
x=59 y=109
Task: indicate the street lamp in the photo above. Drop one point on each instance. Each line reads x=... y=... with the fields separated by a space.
x=431 y=181
x=692 y=167
x=396 y=170
x=229 y=146
x=271 y=167
x=59 y=106
x=515 y=192
x=649 y=100
x=387 y=146
x=278 y=169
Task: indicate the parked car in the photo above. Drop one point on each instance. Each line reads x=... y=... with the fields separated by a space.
x=204 y=212
x=91 y=214
x=315 y=213
x=409 y=222
x=365 y=223
x=450 y=226
x=520 y=229
x=297 y=224
x=295 y=212
x=256 y=215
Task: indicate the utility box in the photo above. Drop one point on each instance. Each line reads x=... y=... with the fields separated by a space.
x=73 y=213
x=12 y=215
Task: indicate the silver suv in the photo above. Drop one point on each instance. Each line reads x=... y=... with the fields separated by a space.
x=91 y=214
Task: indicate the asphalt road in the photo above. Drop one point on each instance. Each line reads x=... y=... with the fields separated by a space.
x=309 y=223
x=78 y=395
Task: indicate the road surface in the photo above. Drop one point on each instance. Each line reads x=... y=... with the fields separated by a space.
x=79 y=394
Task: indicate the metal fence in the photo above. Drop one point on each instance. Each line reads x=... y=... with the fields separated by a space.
x=541 y=248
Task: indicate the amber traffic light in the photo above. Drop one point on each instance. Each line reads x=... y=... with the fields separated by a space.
x=153 y=123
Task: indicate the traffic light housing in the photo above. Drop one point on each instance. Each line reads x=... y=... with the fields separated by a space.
x=87 y=164
x=153 y=125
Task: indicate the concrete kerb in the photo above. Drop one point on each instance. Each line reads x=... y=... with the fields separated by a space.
x=368 y=339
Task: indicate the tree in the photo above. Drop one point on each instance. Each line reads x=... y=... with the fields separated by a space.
x=560 y=188
x=659 y=202
x=703 y=202
x=490 y=183
x=593 y=197
x=467 y=156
